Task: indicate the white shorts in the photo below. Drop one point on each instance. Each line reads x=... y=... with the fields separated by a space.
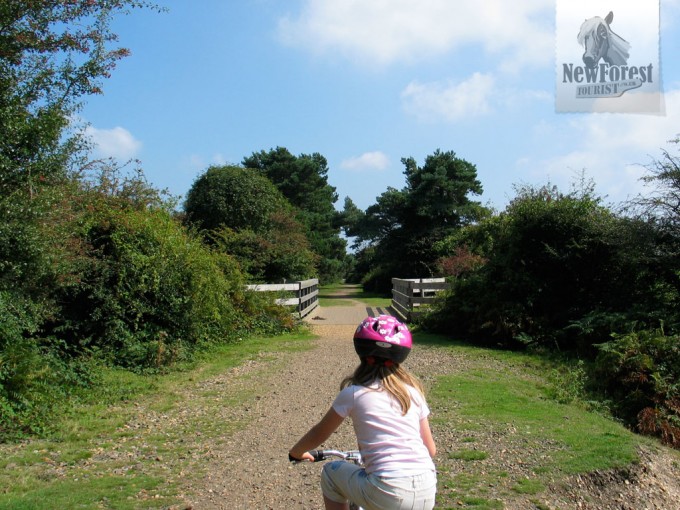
x=343 y=481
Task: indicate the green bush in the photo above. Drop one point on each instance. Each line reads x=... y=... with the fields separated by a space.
x=155 y=294
x=233 y=197
x=280 y=254
x=93 y=274
x=640 y=374
x=245 y=215
x=552 y=271
x=20 y=391
x=33 y=380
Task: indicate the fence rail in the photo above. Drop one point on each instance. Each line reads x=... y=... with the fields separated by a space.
x=305 y=294
x=411 y=295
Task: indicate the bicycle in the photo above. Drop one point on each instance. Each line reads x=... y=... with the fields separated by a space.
x=320 y=455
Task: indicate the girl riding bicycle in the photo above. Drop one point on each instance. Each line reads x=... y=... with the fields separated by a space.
x=390 y=418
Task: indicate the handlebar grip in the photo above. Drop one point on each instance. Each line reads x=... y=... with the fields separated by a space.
x=317 y=454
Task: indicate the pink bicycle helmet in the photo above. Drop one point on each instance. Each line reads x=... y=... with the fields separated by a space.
x=383 y=337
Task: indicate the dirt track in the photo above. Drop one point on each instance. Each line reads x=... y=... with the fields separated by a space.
x=250 y=470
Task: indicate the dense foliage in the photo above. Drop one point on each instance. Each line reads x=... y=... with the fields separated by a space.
x=94 y=267
x=107 y=279
x=52 y=55
x=242 y=213
x=303 y=180
x=561 y=271
x=396 y=235
x=639 y=374
x=558 y=270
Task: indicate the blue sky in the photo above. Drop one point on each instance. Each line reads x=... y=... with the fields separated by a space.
x=366 y=83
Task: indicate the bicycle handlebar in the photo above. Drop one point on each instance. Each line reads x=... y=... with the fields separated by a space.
x=319 y=455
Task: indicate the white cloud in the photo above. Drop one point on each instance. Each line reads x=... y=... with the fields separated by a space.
x=614 y=149
x=386 y=31
x=114 y=143
x=449 y=101
x=375 y=160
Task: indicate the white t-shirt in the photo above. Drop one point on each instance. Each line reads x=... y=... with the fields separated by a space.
x=389 y=442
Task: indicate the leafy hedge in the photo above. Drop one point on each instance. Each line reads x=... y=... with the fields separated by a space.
x=105 y=278
x=560 y=272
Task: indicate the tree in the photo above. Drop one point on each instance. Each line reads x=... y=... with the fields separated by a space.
x=403 y=225
x=303 y=180
x=52 y=54
x=663 y=203
x=661 y=208
x=244 y=214
x=439 y=192
x=233 y=197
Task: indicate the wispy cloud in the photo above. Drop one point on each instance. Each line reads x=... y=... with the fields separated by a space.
x=449 y=101
x=196 y=162
x=114 y=143
x=382 y=32
x=375 y=160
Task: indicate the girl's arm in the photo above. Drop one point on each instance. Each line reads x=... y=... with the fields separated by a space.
x=426 y=435
x=316 y=435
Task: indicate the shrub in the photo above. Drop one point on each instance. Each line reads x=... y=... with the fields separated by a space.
x=91 y=275
x=233 y=197
x=155 y=293
x=245 y=215
x=551 y=271
x=280 y=254
x=33 y=380
x=640 y=373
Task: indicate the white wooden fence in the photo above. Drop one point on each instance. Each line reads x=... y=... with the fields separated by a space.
x=305 y=294
x=410 y=296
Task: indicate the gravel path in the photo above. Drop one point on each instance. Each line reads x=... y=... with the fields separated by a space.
x=225 y=445
x=250 y=470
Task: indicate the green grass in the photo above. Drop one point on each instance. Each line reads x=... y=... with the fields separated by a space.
x=504 y=398
x=100 y=460
x=348 y=295
x=468 y=455
x=507 y=436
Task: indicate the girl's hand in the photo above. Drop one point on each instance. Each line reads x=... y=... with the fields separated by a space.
x=305 y=457
x=315 y=436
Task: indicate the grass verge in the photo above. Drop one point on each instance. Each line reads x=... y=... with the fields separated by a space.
x=130 y=444
x=345 y=295
x=504 y=433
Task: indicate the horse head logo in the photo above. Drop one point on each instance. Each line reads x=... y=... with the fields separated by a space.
x=600 y=42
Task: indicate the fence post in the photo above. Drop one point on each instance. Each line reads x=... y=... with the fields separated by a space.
x=306 y=294
x=409 y=294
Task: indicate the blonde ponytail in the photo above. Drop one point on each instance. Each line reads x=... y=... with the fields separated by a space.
x=393 y=379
